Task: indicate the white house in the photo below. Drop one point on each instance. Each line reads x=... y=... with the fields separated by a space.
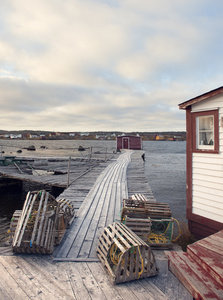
x=204 y=122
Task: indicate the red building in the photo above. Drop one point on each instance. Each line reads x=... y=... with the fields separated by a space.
x=129 y=142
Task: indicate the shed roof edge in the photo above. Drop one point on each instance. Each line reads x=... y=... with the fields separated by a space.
x=200 y=98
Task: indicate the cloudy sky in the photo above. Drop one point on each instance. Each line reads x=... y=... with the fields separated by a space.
x=85 y=65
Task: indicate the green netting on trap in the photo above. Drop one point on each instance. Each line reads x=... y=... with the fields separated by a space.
x=161 y=232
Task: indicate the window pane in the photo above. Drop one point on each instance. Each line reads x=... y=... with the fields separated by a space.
x=205 y=137
x=206 y=123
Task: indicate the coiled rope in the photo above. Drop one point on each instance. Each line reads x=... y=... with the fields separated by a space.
x=115 y=256
x=155 y=238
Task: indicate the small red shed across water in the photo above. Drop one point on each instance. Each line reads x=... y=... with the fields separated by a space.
x=133 y=142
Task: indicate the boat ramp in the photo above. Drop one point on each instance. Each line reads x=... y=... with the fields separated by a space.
x=73 y=270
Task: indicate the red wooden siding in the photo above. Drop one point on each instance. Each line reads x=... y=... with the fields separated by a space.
x=129 y=142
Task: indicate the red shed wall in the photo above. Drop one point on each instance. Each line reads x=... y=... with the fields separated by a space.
x=129 y=142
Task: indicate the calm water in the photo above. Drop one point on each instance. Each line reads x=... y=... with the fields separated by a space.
x=165 y=169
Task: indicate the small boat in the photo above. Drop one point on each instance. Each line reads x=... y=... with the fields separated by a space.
x=31 y=148
x=81 y=148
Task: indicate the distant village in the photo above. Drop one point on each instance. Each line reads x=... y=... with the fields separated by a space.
x=37 y=135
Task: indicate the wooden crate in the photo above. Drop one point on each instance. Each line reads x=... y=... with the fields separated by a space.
x=65 y=218
x=141 y=227
x=135 y=208
x=67 y=210
x=125 y=256
x=14 y=221
x=36 y=227
x=161 y=233
x=139 y=197
x=46 y=224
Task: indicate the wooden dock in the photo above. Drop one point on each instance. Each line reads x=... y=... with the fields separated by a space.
x=100 y=208
x=78 y=274
x=53 y=171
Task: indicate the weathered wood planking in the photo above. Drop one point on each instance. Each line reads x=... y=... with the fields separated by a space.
x=25 y=277
x=44 y=279
x=78 y=168
x=94 y=213
x=209 y=260
x=198 y=282
x=136 y=177
x=200 y=269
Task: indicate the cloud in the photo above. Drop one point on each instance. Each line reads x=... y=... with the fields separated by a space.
x=106 y=65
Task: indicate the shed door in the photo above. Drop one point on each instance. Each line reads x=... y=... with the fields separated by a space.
x=126 y=143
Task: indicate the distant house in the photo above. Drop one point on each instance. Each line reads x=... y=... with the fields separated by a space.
x=27 y=136
x=84 y=134
x=101 y=137
x=177 y=137
x=15 y=136
x=129 y=142
x=204 y=122
x=72 y=134
x=34 y=136
x=159 y=137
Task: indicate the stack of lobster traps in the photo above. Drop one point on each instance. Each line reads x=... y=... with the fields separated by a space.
x=151 y=221
x=41 y=224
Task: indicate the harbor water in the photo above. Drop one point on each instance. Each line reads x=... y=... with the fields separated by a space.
x=165 y=169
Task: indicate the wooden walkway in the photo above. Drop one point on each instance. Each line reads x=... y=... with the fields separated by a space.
x=32 y=276
x=100 y=208
x=136 y=181
x=37 y=277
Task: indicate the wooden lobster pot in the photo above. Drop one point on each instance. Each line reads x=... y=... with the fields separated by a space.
x=65 y=218
x=36 y=226
x=141 y=227
x=161 y=234
x=135 y=208
x=125 y=256
x=41 y=223
x=14 y=221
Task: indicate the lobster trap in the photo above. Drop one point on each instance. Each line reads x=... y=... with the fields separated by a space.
x=125 y=256
x=161 y=234
x=141 y=227
x=141 y=208
x=40 y=224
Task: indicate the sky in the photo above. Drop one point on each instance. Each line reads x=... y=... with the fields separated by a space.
x=106 y=65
